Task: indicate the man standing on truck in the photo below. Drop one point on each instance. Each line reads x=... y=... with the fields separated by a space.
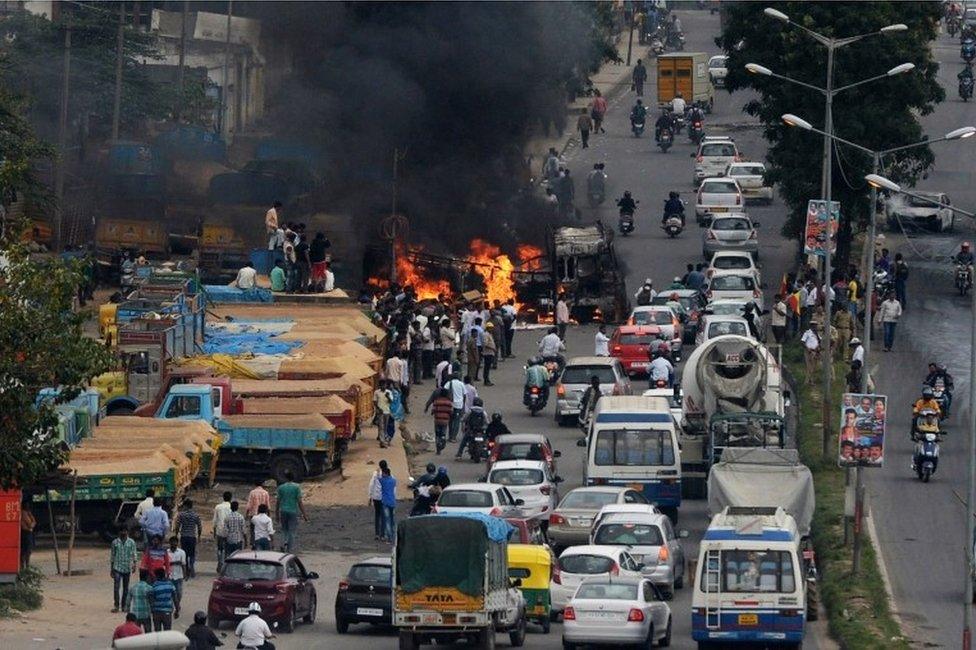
x=289 y=506
x=122 y=561
x=275 y=234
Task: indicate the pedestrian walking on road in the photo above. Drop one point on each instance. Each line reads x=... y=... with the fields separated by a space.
x=442 y=409
x=845 y=330
x=221 y=510
x=138 y=603
x=189 y=528
x=584 y=124
x=382 y=402
x=888 y=314
x=562 y=316
x=376 y=500
x=489 y=352
x=598 y=111
x=255 y=498
x=457 y=390
x=509 y=318
x=473 y=353
x=777 y=320
x=388 y=491
x=901 y=280
x=234 y=530
x=122 y=563
x=155 y=556
x=262 y=528
x=550 y=168
x=601 y=342
x=639 y=77
x=164 y=602
x=155 y=521
x=289 y=507
x=811 y=352
x=177 y=565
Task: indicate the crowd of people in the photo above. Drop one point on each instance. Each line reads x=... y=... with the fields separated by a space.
x=302 y=262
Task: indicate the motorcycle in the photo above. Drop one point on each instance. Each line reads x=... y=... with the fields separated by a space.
x=964 y=279
x=665 y=140
x=477 y=448
x=696 y=131
x=626 y=222
x=679 y=122
x=968 y=50
x=926 y=456
x=637 y=126
x=883 y=284
x=535 y=400
x=676 y=41
x=672 y=225
x=965 y=88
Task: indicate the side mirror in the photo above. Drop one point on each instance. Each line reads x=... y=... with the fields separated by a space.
x=683 y=534
x=581 y=442
x=558 y=479
x=557 y=454
x=520 y=502
x=312 y=575
x=640 y=567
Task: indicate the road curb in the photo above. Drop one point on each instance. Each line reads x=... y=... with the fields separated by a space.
x=883 y=570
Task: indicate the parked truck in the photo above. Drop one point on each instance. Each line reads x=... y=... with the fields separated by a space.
x=446 y=592
x=732 y=395
x=687 y=73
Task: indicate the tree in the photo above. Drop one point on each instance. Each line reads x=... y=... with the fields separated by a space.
x=878 y=115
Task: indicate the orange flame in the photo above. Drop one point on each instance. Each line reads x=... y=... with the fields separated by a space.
x=409 y=274
x=530 y=257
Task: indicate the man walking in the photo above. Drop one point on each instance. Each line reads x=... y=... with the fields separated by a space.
x=442 y=409
x=388 y=491
x=811 y=352
x=138 y=603
x=598 y=111
x=262 y=529
x=234 y=527
x=639 y=77
x=456 y=388
x=255 y=499
x=777 y=319
x=376 y=500
x=562 y=316
x=189 y=528
x=221 y=510
x=289 y=506
x=177 y=565
x=163 y=602
x=888 y=313
x=901 y=280
x=122 y=562
x=155 y=522
x=584 y=124
x=509 y=317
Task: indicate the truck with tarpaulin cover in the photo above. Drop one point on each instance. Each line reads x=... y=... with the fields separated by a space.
x=450 y=581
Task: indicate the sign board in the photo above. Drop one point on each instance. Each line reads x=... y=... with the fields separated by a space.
x=862 y=430
x=815 y=234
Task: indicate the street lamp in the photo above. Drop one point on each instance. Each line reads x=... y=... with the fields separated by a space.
x=880 y=182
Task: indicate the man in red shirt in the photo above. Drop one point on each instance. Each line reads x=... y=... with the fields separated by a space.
x=129 y=628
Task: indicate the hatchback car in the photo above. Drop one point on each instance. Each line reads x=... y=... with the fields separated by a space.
x=715 y=154
x=690 y=303
x=734 y=285
x=531 y=481
x=486 y=498
x=278 y=581
x=571 y=521
x=651 y=540
x=633 y=344
x=718 y=70
x=717 y=196
x=732 y=261
x=751 y=177
x=733 y=232
x=524 y=446
x=621 y=611
x=575 y=379
x=616 y=508
x=365 y=594
x=662 y=316
x=579 y=563
x=713 y=325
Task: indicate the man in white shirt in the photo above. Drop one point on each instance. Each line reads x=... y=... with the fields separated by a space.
x=145 y=505
x=263 y=528
x=396 y=370
x=510 y=313
x=811 y=352
x=601 y=342
x=858 y=353
x=221 y=510
x=659 y=369
x=253 y=631
x=888 y=313
x=777 y=320
x=456 y=387
x=442 y=372
x=551 y=344
x=246 y=277
x=562 y=316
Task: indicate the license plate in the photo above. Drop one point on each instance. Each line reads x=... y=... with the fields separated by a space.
x=601 y=615
x=368 y=611
x=641 y=364
x=748 y=619
x=241 y=611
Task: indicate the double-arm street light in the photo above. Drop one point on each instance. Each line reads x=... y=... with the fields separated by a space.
x=832 y=45
x=880 y=182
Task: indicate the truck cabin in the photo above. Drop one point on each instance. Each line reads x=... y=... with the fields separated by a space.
x=191 y=402
x=765 y=430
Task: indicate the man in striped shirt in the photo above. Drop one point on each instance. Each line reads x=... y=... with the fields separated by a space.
x=123 y=564
x=189 y=529
x=138 y=603
x=163 y=601
x=233 y=532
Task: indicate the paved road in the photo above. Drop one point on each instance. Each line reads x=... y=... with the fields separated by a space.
x=920 y=527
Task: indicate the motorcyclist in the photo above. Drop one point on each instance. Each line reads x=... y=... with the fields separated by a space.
x=673 y=206
x=967 y=71
x=627 y=204
x=927 y=401
x=253 y=631
x=551 y=345
x=474 y=422
x=965 y=256
x=660 y=369
x=696 y=114
x=638 y=113
x=496 y=427
x=676 y=283
x=665 y=121
x=678 y=104
x=421 y=491
x=937 y=372
x=674 y=28
x=536 y=376
x=646 y=293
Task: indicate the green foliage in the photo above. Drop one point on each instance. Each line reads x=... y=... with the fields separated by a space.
x=878 y=115
x=24 y=595
x=18 y=150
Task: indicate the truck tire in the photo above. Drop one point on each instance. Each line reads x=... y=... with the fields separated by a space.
x=120 y=409
x=517 y=636
x=287 y=462
x=408 y=641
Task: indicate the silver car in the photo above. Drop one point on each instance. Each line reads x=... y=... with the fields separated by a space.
x=575 y=379
x=570 y=522
x=621 y=611
x=532 y=481
x=651 y=540
x=730 y=232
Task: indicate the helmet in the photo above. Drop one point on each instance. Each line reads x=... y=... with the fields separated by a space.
x=928 y=392
x=672 y=195
x=496 y=417
x=431 y=468
x=254 y=608
x=200 y=617
x=626 y=192
x=639 y=102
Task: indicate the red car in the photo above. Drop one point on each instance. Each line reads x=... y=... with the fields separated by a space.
x=632 y=343
x=528 y=531
x=276 y=581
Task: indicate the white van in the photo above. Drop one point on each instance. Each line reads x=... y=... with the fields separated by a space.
x=632 y=442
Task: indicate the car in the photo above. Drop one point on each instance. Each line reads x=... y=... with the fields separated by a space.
x=915 y=212
x=651 y=540
x=690 y=302
x=714 y=155
x=969 y=17
x=717 y=70
x=528 y=530
x=734 y=285
x=665 y=318
x=571 y=520
x=365 y=594
x=575 y=379
x=278 y=581
x=730 y=232
x=579 y=563
x=717 y=196
x=673 y=397
x=530 y=481
x=617 y=612
x=725 y=307
x=732 y=261
x=633 y=344
x=524 y=446
x=751 y=177
x=713 y=325
x=486 y=498
x=616 y=508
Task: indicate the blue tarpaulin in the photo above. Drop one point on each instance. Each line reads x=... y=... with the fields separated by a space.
x=498 y=529
x=221 y=293
x=242 y=338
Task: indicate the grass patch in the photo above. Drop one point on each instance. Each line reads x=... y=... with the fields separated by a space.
x=22 y=596
x=858 y=610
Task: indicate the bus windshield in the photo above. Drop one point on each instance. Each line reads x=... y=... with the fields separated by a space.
x=633 y=447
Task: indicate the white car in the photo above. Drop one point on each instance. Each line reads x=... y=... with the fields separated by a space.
x=718 y=70
x=665 y=318
x=734 y=285
x=752 y=180
x=579 y=563
x=712 y=326
x=651 y=540
x=732 y=261
x=627 y=508
x=486 y=498
x=617 y=612
x=920 y=213
x=715 y=154
x=674 y=402
x=531 y=481
x=725 y=307
x=717 y=196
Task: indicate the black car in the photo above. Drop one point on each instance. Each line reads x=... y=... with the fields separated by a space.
x=366 y=594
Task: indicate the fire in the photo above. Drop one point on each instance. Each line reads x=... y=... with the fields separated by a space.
x=494 y=267
x=409 y=274
x=530 y=257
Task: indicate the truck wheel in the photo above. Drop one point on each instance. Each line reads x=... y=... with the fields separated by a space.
x=408 y=641
x=286 y=463
x=121 y=409
x=517 y=636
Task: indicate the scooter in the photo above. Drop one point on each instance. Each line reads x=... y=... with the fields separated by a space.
x=626 y=222
x=926 y=456
x=665 y=140
x=672 y=226
x=477 y=448
x=535 y=399
x=968 y=50
x=637 y=126
x=966 y=88
x=964 y=279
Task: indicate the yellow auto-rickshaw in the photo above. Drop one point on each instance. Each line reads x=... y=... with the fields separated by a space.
x=533 y=565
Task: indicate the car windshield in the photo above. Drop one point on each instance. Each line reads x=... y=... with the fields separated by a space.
x=727 y=327
x=581 y=500
x=928 y=202
x=636 y=339
x=465 y=499
x=732 y=262
x=520 y=451
x=372 y=573
x=516 y=476
x=656 y=317
x=251 y=570
x=607 y=591
x=726 y=308
x=582 y=374
x=732 y=283
x=720 y=187
x=641 y=447
x=585 y=564
x=752 y=571
x=731 y=224
x=725 y=149
x=629 y=534
x=748 y=170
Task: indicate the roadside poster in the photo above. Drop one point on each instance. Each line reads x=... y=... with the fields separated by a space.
x=815 y=236
x=862 y=430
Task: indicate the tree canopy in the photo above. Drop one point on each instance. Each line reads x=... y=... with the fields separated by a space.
x=878 y=115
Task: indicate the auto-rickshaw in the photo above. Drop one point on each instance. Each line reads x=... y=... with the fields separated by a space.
x=532 y=564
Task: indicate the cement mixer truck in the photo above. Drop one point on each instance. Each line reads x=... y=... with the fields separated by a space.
x=732 y=395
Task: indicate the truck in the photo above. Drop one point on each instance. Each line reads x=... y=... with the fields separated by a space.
x=732 y=395
x=687 y=73
x=446 y=592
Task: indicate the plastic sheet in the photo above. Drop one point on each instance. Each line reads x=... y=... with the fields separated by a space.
x=220 y=293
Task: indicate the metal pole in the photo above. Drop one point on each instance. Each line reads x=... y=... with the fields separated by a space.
x=869 y=271
x=62 y=139
x=178 y=113
x=223 y=92
x=119 y=46
x=827 y=414
x=393 y=233
x=967 y=624
x=630 y=40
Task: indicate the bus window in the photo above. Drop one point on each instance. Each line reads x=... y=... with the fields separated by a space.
x=634 y=448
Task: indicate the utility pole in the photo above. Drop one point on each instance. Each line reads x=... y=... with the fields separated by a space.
x=223 y=92
x=62 y=137
x=828 y=358
x=630 y=40
x=393 y=216
x=178 y=113
x=119 y=47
